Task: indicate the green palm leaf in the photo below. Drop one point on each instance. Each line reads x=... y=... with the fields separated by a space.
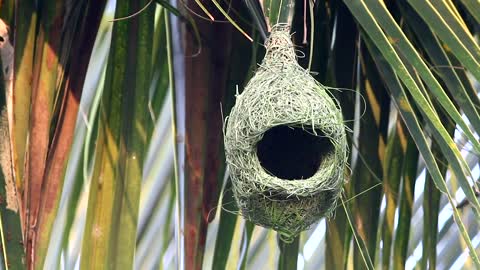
x=114 y=133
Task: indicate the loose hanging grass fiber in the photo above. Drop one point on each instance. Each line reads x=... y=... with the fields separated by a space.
x=285 y=144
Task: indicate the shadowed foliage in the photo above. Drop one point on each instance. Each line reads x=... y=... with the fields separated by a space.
x=112 y=124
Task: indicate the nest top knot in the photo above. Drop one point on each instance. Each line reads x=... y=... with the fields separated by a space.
x=279 y=46
x=285 y=144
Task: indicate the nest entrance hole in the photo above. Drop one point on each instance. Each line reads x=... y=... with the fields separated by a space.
x=293 y=153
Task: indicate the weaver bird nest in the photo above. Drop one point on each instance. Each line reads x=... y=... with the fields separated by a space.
x=285 y=144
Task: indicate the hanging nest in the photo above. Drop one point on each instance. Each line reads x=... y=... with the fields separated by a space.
x=285 y=144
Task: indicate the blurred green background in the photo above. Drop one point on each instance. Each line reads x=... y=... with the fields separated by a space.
x=112 y=133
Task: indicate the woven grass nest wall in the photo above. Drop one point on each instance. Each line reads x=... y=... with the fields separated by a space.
x=285 y=144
